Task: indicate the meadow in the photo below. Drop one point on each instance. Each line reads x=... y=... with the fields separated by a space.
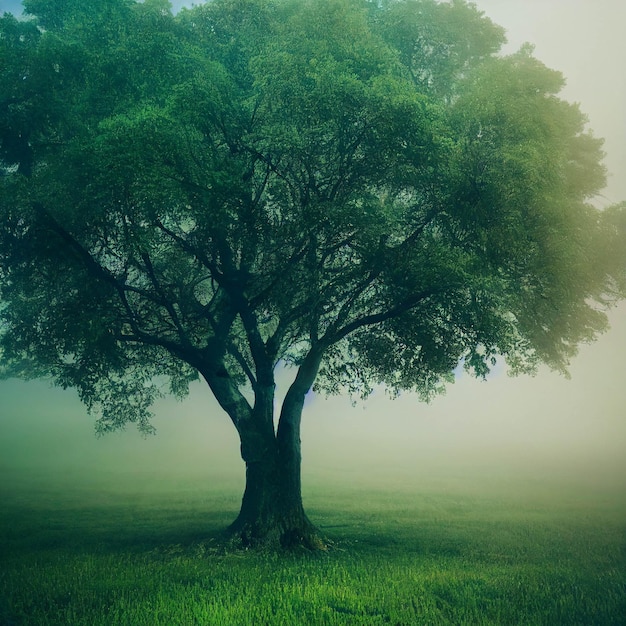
x=146 y=550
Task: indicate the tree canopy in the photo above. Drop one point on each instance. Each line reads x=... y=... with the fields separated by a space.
x=364 y=191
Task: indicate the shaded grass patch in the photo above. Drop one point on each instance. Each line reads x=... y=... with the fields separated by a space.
x=144 y=555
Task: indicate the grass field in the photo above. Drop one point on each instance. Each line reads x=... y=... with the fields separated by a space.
x=109 y=551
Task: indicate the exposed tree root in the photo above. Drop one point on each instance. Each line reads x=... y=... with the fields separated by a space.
x=277 y=535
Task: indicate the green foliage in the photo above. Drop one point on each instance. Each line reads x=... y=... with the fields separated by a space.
x=438 y=42
x=360 y=187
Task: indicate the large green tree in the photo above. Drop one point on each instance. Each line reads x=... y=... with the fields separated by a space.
x=361 y=191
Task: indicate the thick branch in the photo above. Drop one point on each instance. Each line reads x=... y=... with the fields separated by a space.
x=294 y=399
x=226 y=393
x=337 y=334
x=101 y=273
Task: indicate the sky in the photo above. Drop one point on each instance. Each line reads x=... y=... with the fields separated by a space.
x=545 y=426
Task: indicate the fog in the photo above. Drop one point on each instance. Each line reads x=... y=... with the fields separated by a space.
x=545 y=430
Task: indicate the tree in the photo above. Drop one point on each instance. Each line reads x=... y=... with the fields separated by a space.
x=360 y=191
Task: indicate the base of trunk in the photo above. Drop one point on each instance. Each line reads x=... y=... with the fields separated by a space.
x=290 y=531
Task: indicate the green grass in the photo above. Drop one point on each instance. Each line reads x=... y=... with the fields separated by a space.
x=99 y=553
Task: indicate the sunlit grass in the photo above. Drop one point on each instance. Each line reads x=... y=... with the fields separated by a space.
x=149 y=554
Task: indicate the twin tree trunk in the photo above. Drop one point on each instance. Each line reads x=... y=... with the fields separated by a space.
x=271 y=509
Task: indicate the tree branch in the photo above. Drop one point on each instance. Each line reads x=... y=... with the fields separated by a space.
x=165 y=302
x=121 y=288
x=377 y=318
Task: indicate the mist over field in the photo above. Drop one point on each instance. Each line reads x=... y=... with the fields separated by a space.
x=541 y=435
x=544 y=431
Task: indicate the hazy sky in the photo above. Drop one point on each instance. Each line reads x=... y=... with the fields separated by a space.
x=545 y=421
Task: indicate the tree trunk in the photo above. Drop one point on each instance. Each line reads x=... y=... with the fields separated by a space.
x=271 y=509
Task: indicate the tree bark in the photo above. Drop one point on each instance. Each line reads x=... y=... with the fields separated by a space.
x=271 y=511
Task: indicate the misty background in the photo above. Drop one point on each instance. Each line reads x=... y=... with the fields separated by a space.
x=546 y=430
